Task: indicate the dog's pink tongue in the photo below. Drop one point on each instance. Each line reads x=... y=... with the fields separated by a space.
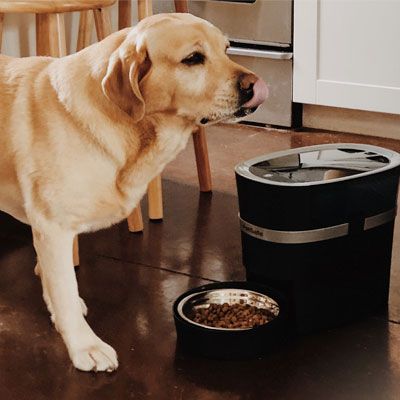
x=260 y=90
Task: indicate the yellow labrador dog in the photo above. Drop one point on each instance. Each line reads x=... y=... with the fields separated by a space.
x=82 y=136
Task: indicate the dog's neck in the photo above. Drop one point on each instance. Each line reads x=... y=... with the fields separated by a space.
x=81 y=96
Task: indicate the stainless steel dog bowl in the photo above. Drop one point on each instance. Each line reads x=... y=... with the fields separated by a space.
x=188 y=305
x=230 y=343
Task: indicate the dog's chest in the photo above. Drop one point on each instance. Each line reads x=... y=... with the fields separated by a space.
x=116 y=198
x=135 y=177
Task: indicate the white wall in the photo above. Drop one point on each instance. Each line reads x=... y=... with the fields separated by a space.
x=19 y=29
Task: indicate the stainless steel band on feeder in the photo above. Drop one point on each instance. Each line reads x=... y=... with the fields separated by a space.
x=380 y=219
x=313 y=235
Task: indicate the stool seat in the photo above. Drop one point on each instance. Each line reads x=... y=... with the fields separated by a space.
x=55 y=6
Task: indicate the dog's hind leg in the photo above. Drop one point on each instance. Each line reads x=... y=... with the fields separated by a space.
x=54 y=249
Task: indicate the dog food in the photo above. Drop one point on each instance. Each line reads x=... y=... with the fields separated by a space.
x=232 y=316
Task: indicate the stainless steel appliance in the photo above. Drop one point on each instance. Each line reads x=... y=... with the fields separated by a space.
x=260 y=32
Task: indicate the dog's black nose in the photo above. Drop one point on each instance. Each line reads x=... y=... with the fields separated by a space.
x=245 y=86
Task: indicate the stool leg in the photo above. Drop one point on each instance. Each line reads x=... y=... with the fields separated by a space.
x=124 y=14
x=181 y=6
x=199 y=137
x=76 y=251
x=1 y=28
x=135 y=220
x=154 y=192
x=202 y=160
x=47 y=37
x=50 y=41
x=145 y=8
x=85 y=30
x=62 y=43
x=102 y=22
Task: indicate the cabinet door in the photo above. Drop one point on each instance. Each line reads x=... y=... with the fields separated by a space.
x=347 y=54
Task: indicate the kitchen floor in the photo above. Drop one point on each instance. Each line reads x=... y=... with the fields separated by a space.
x=129 y=282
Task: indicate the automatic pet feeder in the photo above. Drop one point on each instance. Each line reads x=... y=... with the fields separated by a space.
x=317 y=224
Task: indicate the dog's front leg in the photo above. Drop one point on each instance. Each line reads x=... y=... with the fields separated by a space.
x=54 y=250
x=47 y=300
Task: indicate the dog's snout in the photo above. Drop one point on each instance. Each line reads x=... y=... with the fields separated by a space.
x=252 y=91
x=247 y=81
x=246 y=84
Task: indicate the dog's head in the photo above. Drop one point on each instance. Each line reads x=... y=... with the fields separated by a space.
x=177 y=63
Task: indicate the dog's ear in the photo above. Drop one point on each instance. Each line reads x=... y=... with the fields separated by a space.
x=126 y=68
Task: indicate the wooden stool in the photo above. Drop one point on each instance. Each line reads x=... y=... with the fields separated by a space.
x=135 y=220
x=50 y=31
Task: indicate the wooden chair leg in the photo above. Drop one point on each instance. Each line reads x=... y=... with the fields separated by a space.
x=50 y=41
x=62 y=43
x=202 y=160
x=199 y=137
x=85 y=30
x=135 y=220
x=102 y=22
x=47 y=37
x=145 y=8
x=154 y=192
x=1 y=28
x=181 y=6
x=75 y=254
x=124 y=14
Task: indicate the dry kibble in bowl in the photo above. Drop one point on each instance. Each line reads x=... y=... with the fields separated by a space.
x=230 y=320
x=232 y=316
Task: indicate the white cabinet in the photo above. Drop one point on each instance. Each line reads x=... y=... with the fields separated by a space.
x=347 y=54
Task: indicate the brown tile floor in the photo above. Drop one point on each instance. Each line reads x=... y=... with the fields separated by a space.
x=130 y=281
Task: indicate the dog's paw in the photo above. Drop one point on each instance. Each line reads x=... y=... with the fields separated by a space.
x=96 y=357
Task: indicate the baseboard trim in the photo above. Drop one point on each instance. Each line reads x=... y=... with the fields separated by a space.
x=351 y=121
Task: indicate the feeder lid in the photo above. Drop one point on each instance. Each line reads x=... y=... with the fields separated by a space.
x=318 y=164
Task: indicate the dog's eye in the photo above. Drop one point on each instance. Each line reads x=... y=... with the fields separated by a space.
x=194 y=59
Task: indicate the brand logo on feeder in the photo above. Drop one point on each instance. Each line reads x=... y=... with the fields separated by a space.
x=251 y=230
